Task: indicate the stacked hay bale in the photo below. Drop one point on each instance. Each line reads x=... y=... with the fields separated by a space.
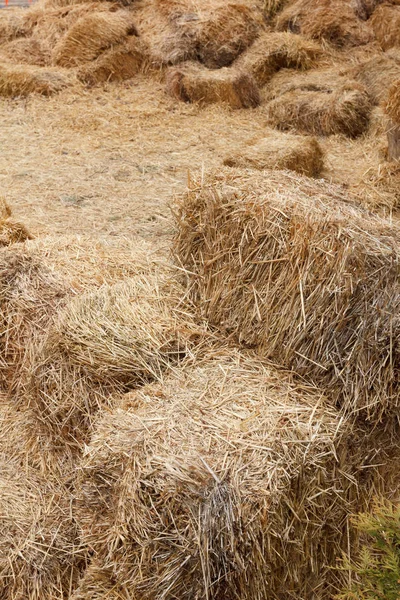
x=290 y=266
x=385 y=23
x=378 y=74
x=225 y=481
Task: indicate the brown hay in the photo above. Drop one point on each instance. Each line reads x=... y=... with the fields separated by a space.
x=23 y=80
x=121 y=62
x=281 y=151
x=226 y=481
x=275 y=51
x=272 y=7
x=334 y=22
x=40 y=557
x=291 y=266
x=377 y=74
x=13 y=25
x=364 y=8
x=380 y=187
x=392 y=104
x=385 y=23
x=91 y=35
x=28 y=50
x=11 y=231
x=191 y=83
x=318 y=105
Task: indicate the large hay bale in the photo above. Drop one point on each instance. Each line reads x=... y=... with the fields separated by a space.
x=280 y=151
x=121 y=62
x=313 y=104
x=274 y=51
x=292 y=267
x=385 y=23
x=90 y=35
x=23 y=80
x=380 y=187
x=334 y=22
x=40 y=554
x=191 y=83
x=226 y=481
x=377 y=74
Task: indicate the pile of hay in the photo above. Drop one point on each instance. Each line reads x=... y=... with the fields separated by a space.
x=385 y=23
x=292 y=267
x=334 y=22
x=11 y=231
x=319 y=102
x=364 y=8
x=40 y=554
x=281 y=151
x=274 y=51
x=377 y=74
x=380 y=187
x=226 y=481
x=392 y=108
x=192 y=83
x=23 y=80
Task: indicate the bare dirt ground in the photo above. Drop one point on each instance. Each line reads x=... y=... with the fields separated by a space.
x=108 y=161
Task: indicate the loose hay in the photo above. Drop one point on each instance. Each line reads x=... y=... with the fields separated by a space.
x=191 y=83
x=281 y=151
x=385 y=23
x=22 y=80
x=290 y=266
x=28 y=51
x=377 y=74
x=312 y=105
x=274 y=51
x=11 y=231
x=364 y=8
x=40 y=555
x=226 y=481
x=380 y=187
x=91 y=35
x=392 y=108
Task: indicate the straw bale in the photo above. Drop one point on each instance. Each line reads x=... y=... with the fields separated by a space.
x=392 y=104
x=98 y=583
x=91 y=35
x=23 y=80
x=364 y=8
x=380 y=187
x=334 y=22
x=278 y=50
x=13 y=25
x=385 y=23
x=313 y=104
x=40 y=555
x=191 y=83
x=281 y=151
x=121 y=62
x=292 y=266
x=272 y=7
x=377 y=74
x=226 y=481
x=25 y=50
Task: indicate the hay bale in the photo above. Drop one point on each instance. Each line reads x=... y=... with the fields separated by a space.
x=272 y=7
x=191 y=83
x=364 y=8
x=385 y=23
x=380 y=187
x=334 y=22
x=292 y=267
x=377 y=74
x=392 y=109
x=319 y=105
x=91 y=35
x=13 y=25
x=23 y=80
x=121 y=62
x=225 y=481
x=28 y=51
x=274 y=51
x=98 y=583
x=40 y=554
x=280 y=151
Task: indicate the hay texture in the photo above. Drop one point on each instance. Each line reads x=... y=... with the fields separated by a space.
x=281 y=151
x=40 y=555
x=380 y=187
x=334 y=22
x=273 y=51
x=364 y=8
x=377 y=74
x=11 y=231
x=313 y=104
x=23 y=80
x=392 y=108
x=290 y=266
x=226 y=481
x=385 y=23
x=91 y=35
x=191 y=83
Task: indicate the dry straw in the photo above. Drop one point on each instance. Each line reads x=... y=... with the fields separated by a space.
x=23 y=80
x=385 y=23
x=320 y=103
x=281 y=151
x=380 y=187
x=377 y=74
x=290 y=266
x=274 y=51
x=11 y=231
x=225 y=481
x=192 y=83
x=364 y=8
x=392 y=108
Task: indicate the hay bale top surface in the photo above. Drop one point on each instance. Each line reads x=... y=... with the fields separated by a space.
x=23 y=80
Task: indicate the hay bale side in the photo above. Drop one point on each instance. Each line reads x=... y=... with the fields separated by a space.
x=23 y=80
x=280 y=151
x=274 y=51
x=377 y=74
x=344 y=109
x=292 y=267
x=385 y=23
x=119 y=63
x=225 y=481
x=191 y=83
x=91 y=35
x=40 y=553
